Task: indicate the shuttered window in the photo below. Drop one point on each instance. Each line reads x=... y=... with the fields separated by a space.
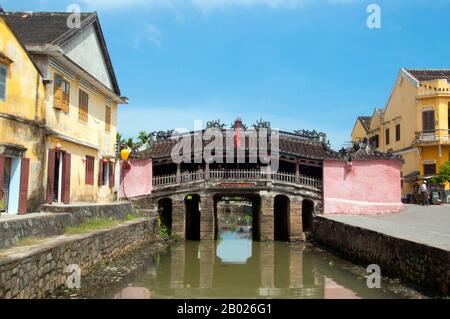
x=388 y=136
x=108 y=119
x=23 y=191
x=61 y=93
x=428 y=121
x=111 y=174
x=397 y=132
x=83 y=106
x=57 y=91
x=89 y=170
x=3 y=76
x=429 y=169
x=65 y=95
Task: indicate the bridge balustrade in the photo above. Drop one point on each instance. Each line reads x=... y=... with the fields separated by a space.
x=237 y=174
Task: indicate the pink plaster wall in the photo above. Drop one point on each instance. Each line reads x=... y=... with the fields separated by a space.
x=136 y=181
x=365 y=187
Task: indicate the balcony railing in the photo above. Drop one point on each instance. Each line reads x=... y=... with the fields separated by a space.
x=433 y=89
x=436 y=136
x=236 y=174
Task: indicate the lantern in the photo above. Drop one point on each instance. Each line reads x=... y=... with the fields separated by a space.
x=58 y=146
x=125 y=154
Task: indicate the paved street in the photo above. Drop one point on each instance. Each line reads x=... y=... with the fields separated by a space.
x=422 y=224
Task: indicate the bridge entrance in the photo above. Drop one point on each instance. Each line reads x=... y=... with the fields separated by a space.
x=193 y=212
x=281 y=218
x=165 y=214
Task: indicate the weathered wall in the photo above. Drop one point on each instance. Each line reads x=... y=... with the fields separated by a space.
x=47 y=225
x=22 y=112
x=40 y=271
x=136 y=181
x=365 y=187
x=81 y=138
x=427 y=266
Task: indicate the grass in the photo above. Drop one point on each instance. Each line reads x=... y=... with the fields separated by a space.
x=29 y=241
x=22 y=242
x=91 y=225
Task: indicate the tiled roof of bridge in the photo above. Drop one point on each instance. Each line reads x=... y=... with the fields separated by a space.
x=289 y=144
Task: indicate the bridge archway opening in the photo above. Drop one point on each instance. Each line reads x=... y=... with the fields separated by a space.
x=165 y=214
x=281 y=218
x=192 y=209
x=237 y=213
x=307 y=214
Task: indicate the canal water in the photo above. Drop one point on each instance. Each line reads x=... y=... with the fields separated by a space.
x=234 y=266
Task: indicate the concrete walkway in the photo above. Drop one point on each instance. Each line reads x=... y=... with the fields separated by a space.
x=429 y=225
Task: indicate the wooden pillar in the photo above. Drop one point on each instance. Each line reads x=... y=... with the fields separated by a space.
x=267 y=217
x=178 y=217
x=296 y=226
x=207 y=219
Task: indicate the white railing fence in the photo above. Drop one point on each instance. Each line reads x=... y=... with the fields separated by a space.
x=236 y=174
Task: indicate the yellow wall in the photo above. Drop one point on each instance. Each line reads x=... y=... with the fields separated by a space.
x=405 y=106
x=92 y=132
x=79 y=191
x=93 y=139
x=358 y=132
x=25 y=100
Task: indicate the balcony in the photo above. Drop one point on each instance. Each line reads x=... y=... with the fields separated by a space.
x=433 y=89
x=432 y=137
x=236 y=175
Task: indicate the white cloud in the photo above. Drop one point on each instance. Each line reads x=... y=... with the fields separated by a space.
x=150 y=33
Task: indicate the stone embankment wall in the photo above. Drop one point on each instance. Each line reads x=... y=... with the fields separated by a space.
x=36 y=272
x=426 y=266
x=47 y=225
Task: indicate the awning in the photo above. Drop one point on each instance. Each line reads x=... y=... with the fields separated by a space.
x=411 y=177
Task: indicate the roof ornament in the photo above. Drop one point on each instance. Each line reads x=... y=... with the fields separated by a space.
x=161 y=135
x=261 y=124
x=216 y=124
x=238 y=124
x=313 y=135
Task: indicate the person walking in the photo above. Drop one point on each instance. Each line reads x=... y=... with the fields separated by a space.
x=424 y=190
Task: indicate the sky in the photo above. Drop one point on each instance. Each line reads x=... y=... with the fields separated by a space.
x=300 y=64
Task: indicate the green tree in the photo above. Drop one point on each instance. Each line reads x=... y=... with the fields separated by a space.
x=444 y=175
x=143 y=137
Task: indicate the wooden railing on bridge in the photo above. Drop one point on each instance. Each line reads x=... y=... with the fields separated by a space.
x=237 y=174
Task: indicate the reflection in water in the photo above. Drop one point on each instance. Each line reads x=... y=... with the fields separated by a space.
x=234 y=266
x=274 y=270
x=235 y=247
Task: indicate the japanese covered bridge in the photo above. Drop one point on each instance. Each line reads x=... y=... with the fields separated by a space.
x=284 y=202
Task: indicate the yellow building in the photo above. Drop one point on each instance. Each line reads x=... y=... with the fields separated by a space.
x=81 y=103
x=22 y=130
x=415 y=123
